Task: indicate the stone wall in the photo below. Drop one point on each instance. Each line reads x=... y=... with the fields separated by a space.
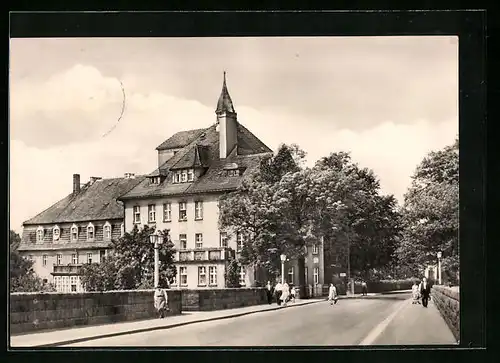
x=217 y=299
x=37 y=311
x=447 y=300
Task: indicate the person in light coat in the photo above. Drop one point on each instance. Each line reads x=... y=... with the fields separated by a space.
x=278 y=289
x=161 y=302
x=285 y=293
x=332 y=294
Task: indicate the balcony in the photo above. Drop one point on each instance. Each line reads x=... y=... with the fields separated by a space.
x=69 y=269
x=203 y=254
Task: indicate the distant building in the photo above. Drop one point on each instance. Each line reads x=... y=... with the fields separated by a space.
x=76 y=230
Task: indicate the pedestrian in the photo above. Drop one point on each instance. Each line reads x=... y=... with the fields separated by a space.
x=285 y=294
x=364 y=288
x=332 y=294
x=293 y=293
x=415 y=293
x=161 y=302
x=277 y=291
x=425 y=291
x=269 y=292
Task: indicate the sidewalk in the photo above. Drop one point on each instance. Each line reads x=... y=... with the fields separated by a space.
x=412 y=324
x=75 y=335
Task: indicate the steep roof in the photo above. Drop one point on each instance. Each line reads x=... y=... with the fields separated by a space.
x=180 y=139
x=224 y=104
x=204 y=152
x=94 y=202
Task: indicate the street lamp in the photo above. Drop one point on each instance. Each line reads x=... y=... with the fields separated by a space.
x=283 y=259
x=439 y=255
x=156 y=239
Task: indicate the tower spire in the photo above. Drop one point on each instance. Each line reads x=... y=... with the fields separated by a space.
x=225 y=104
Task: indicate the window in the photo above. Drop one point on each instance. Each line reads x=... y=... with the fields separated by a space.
x=59 y=259
x=73 y=282
x=190 y=175
x=167 y=212
x=182 y=241
x=74 y=258
x=212 y=271
x=152 y=213
x=223 y=239
x=182 y=211
x=155 y=180
x=89 y=257
x=242 y=275
x=290 y=275
x=202 y=276
x=306 y=270
x=198 y=210
x=240 y=238
x=74 y=233
x=316 y=275
x=137 y=214
x=90 y=232
x=184 y=176
x=174 y=278
x=39 y=234
x=44 y=260
x=198 y=240
x=122 y=230
x=183 y=275
x=107 y=231
x=233 y=172
x=177 y=177
x=315 y=249
x=56 y=233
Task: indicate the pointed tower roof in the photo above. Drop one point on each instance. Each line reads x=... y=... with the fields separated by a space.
x=224 y=104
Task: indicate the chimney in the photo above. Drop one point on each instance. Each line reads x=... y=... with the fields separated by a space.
x=129 y=176
x=76 y=183
x=227 y=124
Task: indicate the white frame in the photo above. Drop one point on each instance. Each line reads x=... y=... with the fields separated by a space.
x=184 y=176
x=40 y=237
x=181 y=268
x=167 y=210
x=54 y=229
x=198 y=244
x=184 y=209
x=316 y=275
x=90 y=226
x=74 y=229
x=190 y=175
x=152 y=213
x=212 y=275
x=200 y=274
x=108 y=226
x=226 y=238
x=74 y=257
x=91 y=255
x=137 y=214
x=181 y=239
x=59 y=258
x=198 y=210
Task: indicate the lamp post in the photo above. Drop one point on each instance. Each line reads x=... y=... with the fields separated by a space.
x=156 y=239
x=283 y=259
x=439 y=255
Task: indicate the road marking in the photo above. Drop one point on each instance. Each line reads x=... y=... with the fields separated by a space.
x=379 y=329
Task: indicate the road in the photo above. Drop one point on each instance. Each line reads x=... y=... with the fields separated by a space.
x=370 y=320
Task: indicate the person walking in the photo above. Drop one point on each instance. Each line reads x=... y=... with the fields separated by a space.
x=364 y=288
x=415 y=293
x=285 y=293
x=269 y=292
x=332 y=294
x=293 y=293
x=425 y=291
x=161 y=302
x=277 y=291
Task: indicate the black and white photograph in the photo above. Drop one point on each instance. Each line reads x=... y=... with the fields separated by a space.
x=234 y=191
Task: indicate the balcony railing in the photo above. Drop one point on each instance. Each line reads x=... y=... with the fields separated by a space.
x=69 y=269
x=203 y=254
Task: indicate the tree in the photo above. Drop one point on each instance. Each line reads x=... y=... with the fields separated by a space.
x=430 y=214
x=22 y=275
x=232 y=273
x=131 y=265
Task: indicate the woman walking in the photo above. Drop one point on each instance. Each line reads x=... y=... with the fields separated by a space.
x=161 y=302
x=332 y=294
x=285 y=294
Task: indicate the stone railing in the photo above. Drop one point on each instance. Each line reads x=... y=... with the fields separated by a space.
x=37 y=311
x=217 y=299
x=447 y=301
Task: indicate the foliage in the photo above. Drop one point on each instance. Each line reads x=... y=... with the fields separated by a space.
x=22 y=275
x=131 y=265
x=284 y=206
x=430 y=214
x=232 y=273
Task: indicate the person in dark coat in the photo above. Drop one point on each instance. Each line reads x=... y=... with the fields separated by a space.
x=425 y=291
x=269 y=292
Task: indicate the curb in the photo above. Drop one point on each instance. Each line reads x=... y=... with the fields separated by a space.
x=176 y=325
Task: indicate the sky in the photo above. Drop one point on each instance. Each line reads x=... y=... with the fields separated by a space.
x=387 y=100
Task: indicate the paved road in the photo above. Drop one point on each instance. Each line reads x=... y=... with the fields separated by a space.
x=371 y=320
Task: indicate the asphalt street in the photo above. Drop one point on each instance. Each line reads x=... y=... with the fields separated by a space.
x=366 y=321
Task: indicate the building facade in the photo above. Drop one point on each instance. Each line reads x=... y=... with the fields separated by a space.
x=76 y=230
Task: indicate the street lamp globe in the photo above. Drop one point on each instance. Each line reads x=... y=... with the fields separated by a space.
x=153 y=237
x=439 y=254
x=283 y=258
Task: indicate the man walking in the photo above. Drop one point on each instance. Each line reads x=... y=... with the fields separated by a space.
x=269 y=292
x=332 y=294
x=364 y=288
x=277 y=290
x=425 y=291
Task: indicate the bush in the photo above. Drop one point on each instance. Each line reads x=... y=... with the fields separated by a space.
x=232 y=273
x=390 y=285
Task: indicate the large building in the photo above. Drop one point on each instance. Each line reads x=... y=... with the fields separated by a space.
x=195 y=168
x=78 y=229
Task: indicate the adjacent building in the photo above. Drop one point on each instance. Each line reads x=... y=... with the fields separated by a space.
x=78 y=229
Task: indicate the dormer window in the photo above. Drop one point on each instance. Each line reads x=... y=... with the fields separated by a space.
x=56 y=233
x=74 y=233
x=107 y=231
x=234 y=172
x=190 y=175
x=40 y=232
x=155 y=180
x=183 y=176
x=90 y=232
